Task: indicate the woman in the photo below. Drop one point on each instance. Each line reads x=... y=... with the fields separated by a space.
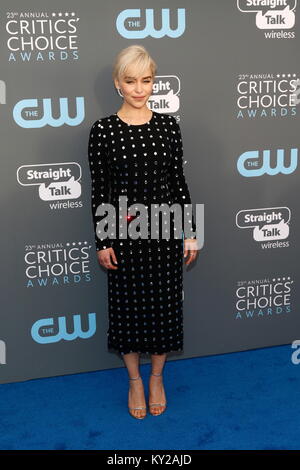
x=137 y=153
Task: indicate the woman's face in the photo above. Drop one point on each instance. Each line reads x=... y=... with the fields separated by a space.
x=136 y=90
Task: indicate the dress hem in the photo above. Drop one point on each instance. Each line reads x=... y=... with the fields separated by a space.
x=143 y=351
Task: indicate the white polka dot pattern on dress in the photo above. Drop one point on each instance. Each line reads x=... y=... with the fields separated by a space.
x=145 y=163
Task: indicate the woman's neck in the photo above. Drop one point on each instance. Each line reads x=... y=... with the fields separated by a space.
x=134 y=114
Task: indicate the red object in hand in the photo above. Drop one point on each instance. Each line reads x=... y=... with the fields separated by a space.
x=130 y=217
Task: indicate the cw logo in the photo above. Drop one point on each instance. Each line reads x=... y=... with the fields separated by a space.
x=31 y=111
x=47 y=329
x=149 y=30
x=2 y=352
x=251 y=164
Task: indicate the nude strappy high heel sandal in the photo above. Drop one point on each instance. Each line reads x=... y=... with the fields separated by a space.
x=157 y=404
x=137 y=407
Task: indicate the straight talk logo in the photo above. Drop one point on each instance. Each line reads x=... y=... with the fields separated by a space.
x=272 y=15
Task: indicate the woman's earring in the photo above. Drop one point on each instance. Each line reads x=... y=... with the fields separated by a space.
x=119 y=89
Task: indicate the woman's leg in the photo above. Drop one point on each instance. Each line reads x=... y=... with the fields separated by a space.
x=136 y=395
x=158 y=361
x=132 y=363
x=156 y=388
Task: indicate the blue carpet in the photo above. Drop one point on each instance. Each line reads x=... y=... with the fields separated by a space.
x=244 y=400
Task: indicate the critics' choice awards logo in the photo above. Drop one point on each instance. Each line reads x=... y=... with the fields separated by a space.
x=57 y=264
x=138 y=24
x=257 y=163
x=33 y=113
x=267 y=95
x=263 y=298
x=273 y=16
x=268 y=225
x=54 y=329
x=42 y=36
x=165 y=97
x=55 y=181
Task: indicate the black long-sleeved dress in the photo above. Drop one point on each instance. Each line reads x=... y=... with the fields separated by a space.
x=145 y=294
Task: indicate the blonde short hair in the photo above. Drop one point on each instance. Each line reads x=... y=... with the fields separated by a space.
x=136 y=56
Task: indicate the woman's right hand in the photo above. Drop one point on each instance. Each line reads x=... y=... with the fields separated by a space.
x=104 y=258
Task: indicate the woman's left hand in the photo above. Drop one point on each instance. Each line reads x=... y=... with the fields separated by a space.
x=191 y=248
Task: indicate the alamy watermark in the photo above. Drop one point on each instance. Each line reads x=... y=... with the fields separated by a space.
x=136 y=226
x=2 y=352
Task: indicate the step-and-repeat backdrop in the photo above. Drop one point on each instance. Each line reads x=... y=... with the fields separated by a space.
x=228 y=71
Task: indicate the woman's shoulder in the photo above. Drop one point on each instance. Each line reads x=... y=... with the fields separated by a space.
x=102 y=121
x=164 y=115
x=167 y=118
